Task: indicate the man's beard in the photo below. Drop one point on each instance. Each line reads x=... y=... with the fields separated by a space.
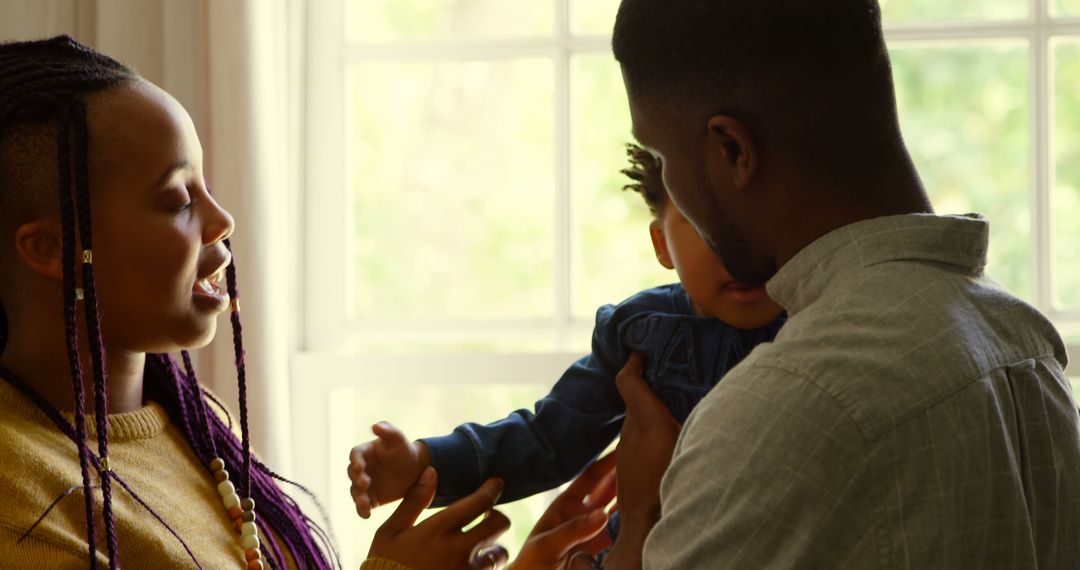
x=725 y=239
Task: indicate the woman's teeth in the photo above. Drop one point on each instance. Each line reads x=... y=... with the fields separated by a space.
x=210 y=285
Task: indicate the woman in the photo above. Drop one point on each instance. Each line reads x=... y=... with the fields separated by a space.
x=114 y=254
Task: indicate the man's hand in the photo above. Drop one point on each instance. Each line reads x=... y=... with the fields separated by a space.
x=438 y=543
x=574 y=523
x=646 y=445
x=383 y=470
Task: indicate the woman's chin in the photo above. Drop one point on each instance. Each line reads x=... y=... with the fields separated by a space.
x=197 y=335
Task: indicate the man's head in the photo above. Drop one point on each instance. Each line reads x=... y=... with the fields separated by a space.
x=755 y=107
x=711 y=288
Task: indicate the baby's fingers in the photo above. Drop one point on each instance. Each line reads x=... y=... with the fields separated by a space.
x=358 y=460
x=361 y=497
x=390 y=437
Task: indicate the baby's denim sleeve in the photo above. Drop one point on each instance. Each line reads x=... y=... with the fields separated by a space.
x=534 y=451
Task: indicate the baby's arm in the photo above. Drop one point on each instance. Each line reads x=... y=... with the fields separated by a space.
x=534 y=451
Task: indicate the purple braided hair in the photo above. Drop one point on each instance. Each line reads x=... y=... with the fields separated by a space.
x=241 y=369
x=45 y=82
x=71 y=336
x=93 y=322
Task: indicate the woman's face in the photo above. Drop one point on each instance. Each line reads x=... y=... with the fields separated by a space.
x=159 y=256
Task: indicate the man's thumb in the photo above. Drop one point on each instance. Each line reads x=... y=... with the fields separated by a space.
x=631 y=381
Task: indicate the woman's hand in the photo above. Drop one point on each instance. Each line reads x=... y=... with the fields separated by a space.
x=573 y=524
x=438 y=543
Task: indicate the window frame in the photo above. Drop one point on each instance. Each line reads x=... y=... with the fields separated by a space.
x=326 y=227
x=325 y=362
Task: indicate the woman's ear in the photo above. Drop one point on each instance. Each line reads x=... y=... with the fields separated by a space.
x=731 y=152
x=39 y=245
x=659 y=243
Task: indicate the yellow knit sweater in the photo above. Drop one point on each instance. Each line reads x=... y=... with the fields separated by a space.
x=38 y=464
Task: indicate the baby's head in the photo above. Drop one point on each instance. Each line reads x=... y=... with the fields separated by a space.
x=84 y=138
x=678 y=246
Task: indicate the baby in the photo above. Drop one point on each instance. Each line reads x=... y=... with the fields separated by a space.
x=690 y=333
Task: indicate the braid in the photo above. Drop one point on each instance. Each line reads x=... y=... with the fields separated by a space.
x=71 y=333
x=45 y=83
x=93 y=324
x=3 y=329
x=241 y=369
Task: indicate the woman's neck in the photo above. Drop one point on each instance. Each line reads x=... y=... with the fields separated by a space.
x=37 y=354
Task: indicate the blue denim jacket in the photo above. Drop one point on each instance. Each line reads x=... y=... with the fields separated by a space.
x=534 y=451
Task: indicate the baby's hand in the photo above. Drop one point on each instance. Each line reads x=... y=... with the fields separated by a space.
x=383 y=470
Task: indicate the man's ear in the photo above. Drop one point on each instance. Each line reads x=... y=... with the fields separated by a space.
x=730 y=152
x=39 y=245
x=659 y=243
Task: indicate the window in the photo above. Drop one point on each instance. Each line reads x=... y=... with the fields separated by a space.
x=464 y=216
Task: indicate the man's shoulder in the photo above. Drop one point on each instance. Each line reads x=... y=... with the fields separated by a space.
x=884 y=349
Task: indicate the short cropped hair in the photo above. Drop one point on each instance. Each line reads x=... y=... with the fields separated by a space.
x=798 y=73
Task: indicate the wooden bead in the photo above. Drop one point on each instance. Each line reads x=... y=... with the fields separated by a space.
x=248 y=541
x=248 y=528
x=248 y=504
x=221 y=476
x=217 y=464
x=248 y=516
x=231 y=501
x=226 y=488
x=235 y=512
x=253 y=554
x=255 y=565
x=236 y=524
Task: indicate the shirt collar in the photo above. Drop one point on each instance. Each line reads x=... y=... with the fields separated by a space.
x=958 y=241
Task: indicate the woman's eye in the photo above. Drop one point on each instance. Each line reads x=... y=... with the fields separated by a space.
x=178 y=201
x=185 y=207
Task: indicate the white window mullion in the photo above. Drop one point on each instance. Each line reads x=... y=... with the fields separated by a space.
x=1041 y=93
x=564 y=234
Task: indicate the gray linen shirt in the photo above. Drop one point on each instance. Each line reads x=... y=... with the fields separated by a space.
x=911 y=414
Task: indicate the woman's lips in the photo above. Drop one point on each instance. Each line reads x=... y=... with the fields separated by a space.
x=208 y=293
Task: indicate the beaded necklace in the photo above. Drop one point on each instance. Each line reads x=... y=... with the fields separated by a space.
x=242 y=513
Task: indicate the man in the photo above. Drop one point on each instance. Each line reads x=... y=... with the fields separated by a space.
x=911 y=414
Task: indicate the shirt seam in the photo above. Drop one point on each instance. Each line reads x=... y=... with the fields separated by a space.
x=845 y=408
